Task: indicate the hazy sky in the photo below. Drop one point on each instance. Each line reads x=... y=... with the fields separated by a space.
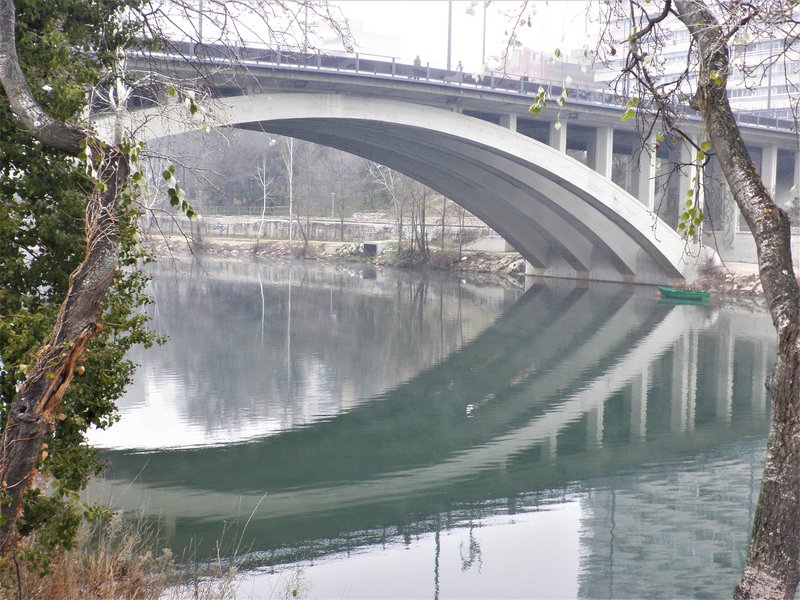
x=404 y=28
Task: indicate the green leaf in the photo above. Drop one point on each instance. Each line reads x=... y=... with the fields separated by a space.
x=705 y=146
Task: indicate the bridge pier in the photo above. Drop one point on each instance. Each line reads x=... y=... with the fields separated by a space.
x=646 y=174
x=601 y=151
x=509 y=121
x=557 y=136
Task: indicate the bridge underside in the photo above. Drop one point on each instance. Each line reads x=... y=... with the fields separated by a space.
x=565 y=219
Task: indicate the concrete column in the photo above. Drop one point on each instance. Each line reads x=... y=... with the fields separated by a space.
x=769 y=168
x=646 y=175
x=769 y=176
x=639 y=405
x=509 y=122
x=601 y=151
x=558 y=137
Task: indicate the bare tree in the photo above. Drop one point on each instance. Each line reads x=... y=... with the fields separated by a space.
x=419 y=202
x=388 y=180
x=719 y=33
x=265 y=181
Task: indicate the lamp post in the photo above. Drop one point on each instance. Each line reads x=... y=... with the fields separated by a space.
x=449 y=31
x=333 y=197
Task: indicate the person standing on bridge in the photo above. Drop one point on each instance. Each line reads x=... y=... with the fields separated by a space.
x=417 y=65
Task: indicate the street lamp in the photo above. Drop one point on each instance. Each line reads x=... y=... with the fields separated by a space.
x=449 y=31
x=333 y=197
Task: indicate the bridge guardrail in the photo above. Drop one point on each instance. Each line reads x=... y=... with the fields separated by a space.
x=390 y=67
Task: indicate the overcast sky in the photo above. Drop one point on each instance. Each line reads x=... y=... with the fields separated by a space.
x=404 y=28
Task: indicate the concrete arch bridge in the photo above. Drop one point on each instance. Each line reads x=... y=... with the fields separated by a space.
x=566 y=218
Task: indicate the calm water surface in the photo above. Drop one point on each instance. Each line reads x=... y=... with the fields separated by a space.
x=384 y=434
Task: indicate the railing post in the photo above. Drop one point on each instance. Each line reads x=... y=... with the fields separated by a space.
x=357 y=62
x=319 y=60
x=393 y=67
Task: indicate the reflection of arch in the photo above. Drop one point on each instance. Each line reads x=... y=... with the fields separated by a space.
x=563 y=217
x=482 y=414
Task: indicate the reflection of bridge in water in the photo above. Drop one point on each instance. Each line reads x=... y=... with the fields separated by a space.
x=483 y=432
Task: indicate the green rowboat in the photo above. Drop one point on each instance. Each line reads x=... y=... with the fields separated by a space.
x=669 y=293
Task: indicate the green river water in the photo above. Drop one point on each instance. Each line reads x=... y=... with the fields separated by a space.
x=407 y=434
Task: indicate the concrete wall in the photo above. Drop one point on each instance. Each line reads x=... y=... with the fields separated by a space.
x=476 y=237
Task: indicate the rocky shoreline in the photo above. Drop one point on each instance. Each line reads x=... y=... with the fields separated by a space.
x=726 y=285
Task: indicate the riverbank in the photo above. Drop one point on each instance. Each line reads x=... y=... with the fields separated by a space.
x=730 y=284
x=506 y=266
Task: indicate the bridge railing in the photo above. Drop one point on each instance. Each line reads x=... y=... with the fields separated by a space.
x=375 y=65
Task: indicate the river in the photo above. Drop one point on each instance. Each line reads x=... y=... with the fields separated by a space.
x=408 y=434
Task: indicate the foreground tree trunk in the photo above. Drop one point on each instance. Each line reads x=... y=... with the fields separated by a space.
x=771 y=568
x=34 y=410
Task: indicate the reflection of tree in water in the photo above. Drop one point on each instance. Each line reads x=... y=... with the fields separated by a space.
x=473 y=551
x=228 y=337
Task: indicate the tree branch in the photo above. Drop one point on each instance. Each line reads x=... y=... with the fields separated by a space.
x=41 y=125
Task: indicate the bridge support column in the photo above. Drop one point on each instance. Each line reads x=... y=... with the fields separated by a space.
x=769 y=168
x=558 y=137
x=646 y=178
x=509 y=122
x=601 y=151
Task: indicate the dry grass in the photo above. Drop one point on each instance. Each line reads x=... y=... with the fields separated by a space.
x=113 y=561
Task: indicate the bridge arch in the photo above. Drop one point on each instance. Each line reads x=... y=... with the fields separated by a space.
x=564 y=218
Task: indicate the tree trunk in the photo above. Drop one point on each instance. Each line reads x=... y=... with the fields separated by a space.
x=34 y=409
x=771 y=568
